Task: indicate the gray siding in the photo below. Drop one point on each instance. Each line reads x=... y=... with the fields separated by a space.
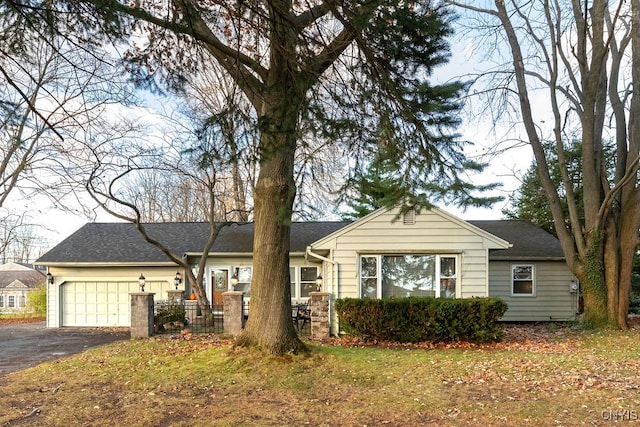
x=552 y=301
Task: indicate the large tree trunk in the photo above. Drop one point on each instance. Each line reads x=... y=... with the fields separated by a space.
x=269 y=326
x=591 y=273
x=628 y=241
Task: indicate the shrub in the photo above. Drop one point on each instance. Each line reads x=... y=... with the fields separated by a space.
x=416 y=319
x=37 y=302
x=170 y=313
x=634 y=304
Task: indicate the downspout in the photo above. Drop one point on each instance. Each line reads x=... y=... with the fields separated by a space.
x=334 y=280
x=325 y=259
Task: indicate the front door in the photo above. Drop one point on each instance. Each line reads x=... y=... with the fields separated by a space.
x=219 y=284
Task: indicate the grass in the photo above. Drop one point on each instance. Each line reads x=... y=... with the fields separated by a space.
x=20 y=317
x=567 y=378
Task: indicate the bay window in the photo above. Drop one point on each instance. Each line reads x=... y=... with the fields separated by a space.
x=386 y=276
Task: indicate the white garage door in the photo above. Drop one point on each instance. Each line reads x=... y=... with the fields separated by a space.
x=96 y=303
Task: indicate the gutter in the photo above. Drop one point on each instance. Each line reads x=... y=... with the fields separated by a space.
x=231 y=254
x=334 y=280
x=106 y=264
x=325 y=259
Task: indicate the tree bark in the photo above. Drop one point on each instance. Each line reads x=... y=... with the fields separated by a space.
x=269 y=326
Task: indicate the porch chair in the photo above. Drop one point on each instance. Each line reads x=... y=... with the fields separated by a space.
x=302 y=312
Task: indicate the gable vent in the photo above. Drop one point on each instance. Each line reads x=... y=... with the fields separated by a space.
x=409 y=217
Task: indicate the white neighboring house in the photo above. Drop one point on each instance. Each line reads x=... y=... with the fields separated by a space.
x=385 y=254
x=16 y=281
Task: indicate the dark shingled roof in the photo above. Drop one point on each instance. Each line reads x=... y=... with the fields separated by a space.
x=121 y=242
x=529 y=241
x=28 y=276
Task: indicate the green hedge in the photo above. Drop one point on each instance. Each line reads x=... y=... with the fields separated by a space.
x=416 y=319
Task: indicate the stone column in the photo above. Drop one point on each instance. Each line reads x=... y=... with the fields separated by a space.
x=174 y=296
x=319 y=304
x=233 y=312
x=191 y=310
x=141 y=314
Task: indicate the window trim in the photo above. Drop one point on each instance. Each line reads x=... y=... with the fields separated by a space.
x=533 y=281
x=293 y=282
x=247 y=294
x=297 y=282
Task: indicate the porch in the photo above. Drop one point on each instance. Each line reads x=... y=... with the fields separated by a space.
x=176 y=315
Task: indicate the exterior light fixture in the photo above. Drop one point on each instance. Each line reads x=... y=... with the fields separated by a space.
x=177 y=280
x=319 y=281
x=50 y=278
x=234 y=278
x=141 y=282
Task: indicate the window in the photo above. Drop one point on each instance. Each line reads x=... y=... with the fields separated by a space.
x=522 y=282
x=1 y=301
x=369 y=276
x=303 y=281
x=292 y=274
x=12 y=301
x=384 y=276
x=23 y=301
x=447 y=277
x=244 y=280
x=308 y=276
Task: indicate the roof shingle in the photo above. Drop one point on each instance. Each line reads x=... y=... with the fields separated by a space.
x=121 y=242
x=529 y=241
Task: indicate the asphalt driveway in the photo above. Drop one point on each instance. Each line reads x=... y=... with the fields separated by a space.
x=28 y=344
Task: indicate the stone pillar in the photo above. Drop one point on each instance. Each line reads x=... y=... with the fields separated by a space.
x=141 y=314
x=191 y=310
x=319 y=304
x=233 y=312
x=174 y=296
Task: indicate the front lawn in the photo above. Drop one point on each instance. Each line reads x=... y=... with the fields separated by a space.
x=540 y=375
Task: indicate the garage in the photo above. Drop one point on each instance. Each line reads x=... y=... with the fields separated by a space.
x=96 y=303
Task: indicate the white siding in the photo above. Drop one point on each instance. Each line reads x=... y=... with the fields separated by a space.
x=431 y=233
x=552 y=301
x=99 y=296
x=52 y=306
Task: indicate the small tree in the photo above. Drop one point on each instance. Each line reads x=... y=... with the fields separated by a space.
x=37 y=301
